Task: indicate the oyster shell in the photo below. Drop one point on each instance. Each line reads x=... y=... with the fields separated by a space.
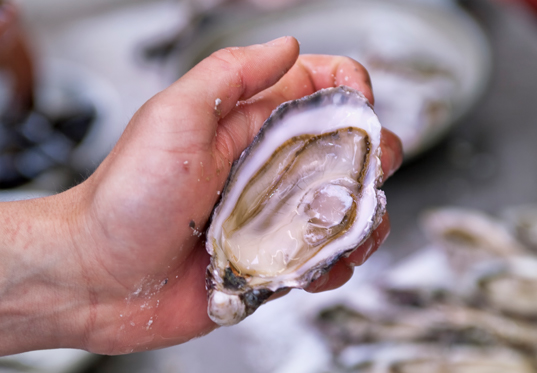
x=451 y=324
x=303 y=194
x=427 y=358
x=523 y=220
x=469 y=237
x=509 y=286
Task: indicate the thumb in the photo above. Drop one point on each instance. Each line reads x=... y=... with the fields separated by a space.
x=184 y=118
x=172 y=137
x=234 y=74
x=193 y=106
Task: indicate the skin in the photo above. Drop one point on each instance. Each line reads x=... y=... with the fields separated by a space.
x=113 y=265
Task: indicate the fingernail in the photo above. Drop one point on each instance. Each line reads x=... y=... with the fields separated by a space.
x=276 y=42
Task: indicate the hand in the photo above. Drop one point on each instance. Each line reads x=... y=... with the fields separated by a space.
x=133 y=264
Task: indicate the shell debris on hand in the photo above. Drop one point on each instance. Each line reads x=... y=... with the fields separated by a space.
x=302 y=195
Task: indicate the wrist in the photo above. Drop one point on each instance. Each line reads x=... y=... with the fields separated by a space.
x=43 y=300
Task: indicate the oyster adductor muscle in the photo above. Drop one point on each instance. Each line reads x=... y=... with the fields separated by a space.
x=303 y=194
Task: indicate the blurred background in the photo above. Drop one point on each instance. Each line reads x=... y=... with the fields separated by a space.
x=454 y=288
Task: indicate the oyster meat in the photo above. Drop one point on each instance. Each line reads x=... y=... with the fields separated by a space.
x=302 y=195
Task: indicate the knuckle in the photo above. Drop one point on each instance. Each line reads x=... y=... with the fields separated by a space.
x=227 y=58
x=155 y=107
x=357 y=66
x=229 y=61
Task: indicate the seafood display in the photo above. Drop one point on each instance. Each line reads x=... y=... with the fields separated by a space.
x=523 y=220
x=302 y=195
x=470 y=236
x=477 y=314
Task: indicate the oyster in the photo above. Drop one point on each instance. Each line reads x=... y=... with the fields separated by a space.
x=469 y=237
x=302 y=195
x=523 y=220
x=421 y=358
x=510 y=286
x=452 y=324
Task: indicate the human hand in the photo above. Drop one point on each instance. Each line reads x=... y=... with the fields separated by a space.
x=135 y=261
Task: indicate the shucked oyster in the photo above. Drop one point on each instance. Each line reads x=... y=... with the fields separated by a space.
x=301 y=196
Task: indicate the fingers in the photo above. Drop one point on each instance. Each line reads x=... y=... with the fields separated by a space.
x=279 y=294
x=364 y=251
x=392 y=152
x=184 y=118
x=332 y=71
x=342 y=271
x=199 y=103
x=308 y=75
x=8 y=14
x=314 y=72
x=337 y=276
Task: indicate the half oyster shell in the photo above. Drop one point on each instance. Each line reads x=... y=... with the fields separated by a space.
x=469 y=237
x=302 y=195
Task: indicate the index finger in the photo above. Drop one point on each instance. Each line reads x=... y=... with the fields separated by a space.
x=323 y=71
x=392 y=153
x=311 y=73
x=332 y=71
